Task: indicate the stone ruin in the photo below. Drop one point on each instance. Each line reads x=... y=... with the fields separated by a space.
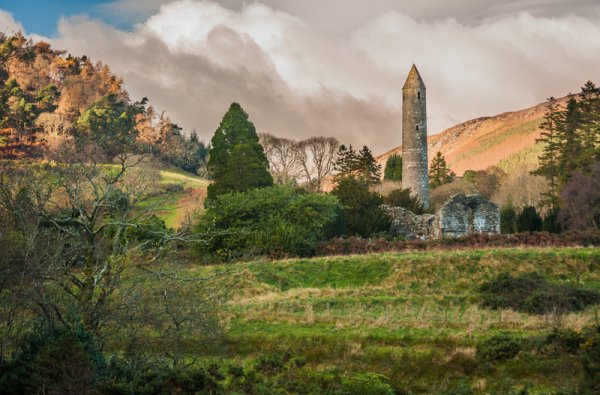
x=409 y=225
x=461 y=215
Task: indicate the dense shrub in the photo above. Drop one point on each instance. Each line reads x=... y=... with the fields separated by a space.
x=550 y=223
x=402 y=198
x=590 y=358
x=56 y=359
x=529 y=220
x=498 y=348
x=362 y=208
x=508 y=219
x=366 y=384
x=532 y=293
x=561 y=341
x=156 y=379
x=278 y=221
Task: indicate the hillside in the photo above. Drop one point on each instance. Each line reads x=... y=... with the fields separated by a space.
x=297 y=326
x=499 y=140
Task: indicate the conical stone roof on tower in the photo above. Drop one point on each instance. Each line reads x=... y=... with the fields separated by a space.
x=414 y=137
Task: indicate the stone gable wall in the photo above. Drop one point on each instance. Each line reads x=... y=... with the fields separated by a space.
x=459 y=216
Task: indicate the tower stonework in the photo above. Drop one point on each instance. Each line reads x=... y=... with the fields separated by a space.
x=414 y=137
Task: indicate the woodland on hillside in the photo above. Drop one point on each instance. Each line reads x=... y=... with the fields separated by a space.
x=52 y=103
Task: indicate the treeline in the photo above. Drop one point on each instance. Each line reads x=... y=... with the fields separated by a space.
x=53 y=104
x=570 y=161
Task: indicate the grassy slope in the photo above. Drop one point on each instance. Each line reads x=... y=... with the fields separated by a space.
x=175 y=204
x=412 y=317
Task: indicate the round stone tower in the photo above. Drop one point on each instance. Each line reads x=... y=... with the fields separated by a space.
x=414 y=137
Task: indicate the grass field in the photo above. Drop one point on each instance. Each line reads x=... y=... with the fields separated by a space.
x=178 y=195
x=412 y=317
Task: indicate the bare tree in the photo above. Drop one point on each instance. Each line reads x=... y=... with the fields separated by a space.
x=316 y=157
x=283 y=161
x=92 y=212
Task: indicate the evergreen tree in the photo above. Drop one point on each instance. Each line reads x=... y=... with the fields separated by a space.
x=439 y=173
x=237 y=161
x=393 y=168
x=361 y=165
x=550 y=223
x=367 y=167
x=529 y=220
x=346 y=162
x=550 y=157
x=571 y=139
x=508 y=219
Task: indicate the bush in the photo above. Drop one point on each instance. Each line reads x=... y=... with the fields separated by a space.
x=278 y=221
x=498 y=348
x=529 y=220
x=508 y=219
x=590 y=358
x=561 y=341
x=402 y=198
x=550 y=223
x=366 y=384
x=159 y=380
x=56 y=359
x=532 y=293
x=362 y=208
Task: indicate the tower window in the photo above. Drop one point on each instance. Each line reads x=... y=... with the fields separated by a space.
x=417 y=127
x=418 y=95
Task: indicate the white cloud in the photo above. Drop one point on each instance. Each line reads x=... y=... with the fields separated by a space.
x=8 y=24
x=193 y=58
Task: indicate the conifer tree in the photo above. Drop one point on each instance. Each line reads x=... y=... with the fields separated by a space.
x=550 y=157
x=439 y=173
x=508 y=219
x=361 y=165
x=237 y=162
x=346 y=161
x=529 y=220
x=367 y=167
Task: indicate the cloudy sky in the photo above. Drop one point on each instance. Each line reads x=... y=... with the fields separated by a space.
x=327 y=67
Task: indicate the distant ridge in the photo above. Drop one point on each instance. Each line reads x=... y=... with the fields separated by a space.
x=488 y=141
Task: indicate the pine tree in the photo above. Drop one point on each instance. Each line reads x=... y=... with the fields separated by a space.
x=439 y=173
x=551 y=155
x=367 y=167
x=237 y=162
x=393 y=168
x=361 y=165
x=346 y=161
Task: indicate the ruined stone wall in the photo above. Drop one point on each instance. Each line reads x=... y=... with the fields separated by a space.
x=414 y=137
x=461 y=215
x=409 y=225
x=465 y=214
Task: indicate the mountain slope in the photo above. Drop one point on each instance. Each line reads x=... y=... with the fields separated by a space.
x=505 y=140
